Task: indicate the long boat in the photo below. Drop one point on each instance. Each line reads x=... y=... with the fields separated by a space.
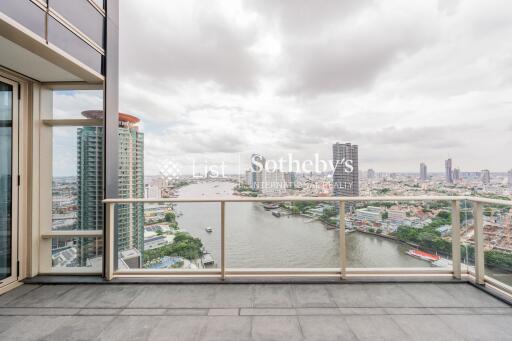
x=423 y=255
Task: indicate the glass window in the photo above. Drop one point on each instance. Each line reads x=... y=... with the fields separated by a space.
x=6 y=108
x=72 y=44
x=83 y=15
x=26 y=13
x=77 y=252
x=100 y=3
x=77 y=182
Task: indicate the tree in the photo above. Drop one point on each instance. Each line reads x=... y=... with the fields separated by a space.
x=384 y=215
x=170 y=217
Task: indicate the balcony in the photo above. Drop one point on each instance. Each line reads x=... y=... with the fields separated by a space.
x=307 y=311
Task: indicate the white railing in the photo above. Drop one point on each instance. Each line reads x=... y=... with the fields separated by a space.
x=476 y=273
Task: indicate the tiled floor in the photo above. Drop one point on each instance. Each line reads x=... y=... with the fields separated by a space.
x=253 y=312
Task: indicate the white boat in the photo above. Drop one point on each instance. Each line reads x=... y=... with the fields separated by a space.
x=208 y=229
x=207 y=259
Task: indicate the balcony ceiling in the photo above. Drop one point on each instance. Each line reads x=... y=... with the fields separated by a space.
x=23 y=61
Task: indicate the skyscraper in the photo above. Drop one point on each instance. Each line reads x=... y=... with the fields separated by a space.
x=130 y=227
x=509 y=176
x=257 y=169
x=346 y=170
x=448 y=171
x=90 y=190
x=423 y=171
x=486 y=176
x=456 y=174
x=371 y=173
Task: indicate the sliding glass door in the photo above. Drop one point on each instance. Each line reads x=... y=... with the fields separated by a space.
x=8 y=180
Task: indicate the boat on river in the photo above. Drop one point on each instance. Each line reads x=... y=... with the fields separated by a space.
x=276 y=214
x=207 y=259
x=423 y=255
x=270 y=206
x=208 y=229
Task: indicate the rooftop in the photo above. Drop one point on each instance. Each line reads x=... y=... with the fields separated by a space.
x=371 y=311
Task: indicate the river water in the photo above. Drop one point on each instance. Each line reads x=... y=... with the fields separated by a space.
x=257 y=239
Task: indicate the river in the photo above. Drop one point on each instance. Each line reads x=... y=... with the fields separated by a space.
x=257 y=239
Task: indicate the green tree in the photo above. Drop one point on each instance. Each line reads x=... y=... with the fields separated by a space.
x=170 y=217
x=384 y=215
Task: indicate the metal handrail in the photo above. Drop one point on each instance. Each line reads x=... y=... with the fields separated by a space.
x=294 y=199
x=341 y=272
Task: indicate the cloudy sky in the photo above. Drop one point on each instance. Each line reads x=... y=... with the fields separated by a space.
x=406 y=80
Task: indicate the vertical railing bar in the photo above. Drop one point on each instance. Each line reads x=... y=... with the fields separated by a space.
x=456 y=239
x=222 y=241
x=479 y=242
x=109 y=235
x=343 y=248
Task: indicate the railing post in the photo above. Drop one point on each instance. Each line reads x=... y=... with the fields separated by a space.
x=479 y=242
x=222 y=241
x=456 y=239
x=343 y=248
x=109 y=242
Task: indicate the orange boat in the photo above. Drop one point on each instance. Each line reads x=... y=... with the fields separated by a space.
x=423 y=255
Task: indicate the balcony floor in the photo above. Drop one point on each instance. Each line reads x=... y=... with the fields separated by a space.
x=400 y=311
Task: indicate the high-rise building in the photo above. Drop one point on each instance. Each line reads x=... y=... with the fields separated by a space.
x=290 y=178
x=90 y=190
x=258 y=163
x=423 y=171
x=346 y=170
x=456 y=174
x=371 y=174
x=130 y=227
x=509 y=178
x=486 y=176
x=448 y=171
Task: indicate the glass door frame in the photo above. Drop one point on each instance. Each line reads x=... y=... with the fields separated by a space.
x=14 y=182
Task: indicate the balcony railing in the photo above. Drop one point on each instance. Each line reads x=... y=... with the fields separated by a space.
x=457 y=270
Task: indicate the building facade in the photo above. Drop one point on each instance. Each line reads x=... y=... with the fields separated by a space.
x=456 y=174
x=130 y=225
x=486 y=177
x=345 y=178
x=448 y=171
x=423 y=172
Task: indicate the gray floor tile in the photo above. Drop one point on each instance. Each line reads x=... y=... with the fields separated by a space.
x=233 y=295
x=223 y=312
x=79 y=328
x=268 y=311
x=7 y=322
x=175 y=296
x=372 y=328
x=325 y=328
x=226 y=328
x=349 y=295
x=80 y=296
x=390 y=295
x=114 y=296
x=273 y=295
x=39 y=311
x=133 y=328
x=34 y=327
x=312 y=295
x=7 y=298
x=276 y=328
x=430 y=295
x=182 y=328
x=481 y=328
x=469 y=296
x=44 y=296
x=425 y=327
